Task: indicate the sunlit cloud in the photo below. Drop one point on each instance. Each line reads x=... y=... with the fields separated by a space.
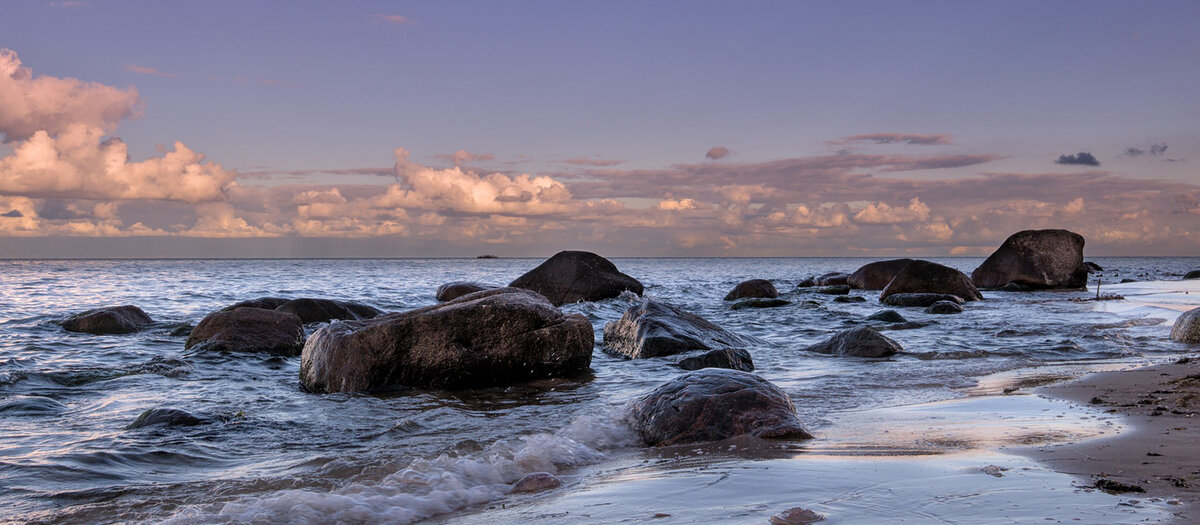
x=717 y=153
x=143 y=70
x=396 y=20
x=934 y=139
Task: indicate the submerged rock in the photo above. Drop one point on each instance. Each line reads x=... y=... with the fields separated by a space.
x=1015 y=287
x=1092 y=267
x=172 y=417
x=834 y=289
x=249 y=330
x=876 y=275
x=833 y=279
x=1187 y=327
x=572 y=276
x=858 y=342
x=108 y=320
x=944 y=307
x=759 y=303
x=536 y=482
x=752 y=288
x=731 y=358
x=489 y=338
x=1194 y=274
x=807 y=282
x=887 y=316
x=653 y=328
x=906 y=325
x=796 y=516
x=458 y=289
x=919 y=299
x=325 y=310
x=1039 y=259
x=715 y=404
x=927 y=277
x=266 y=303
x=849 y=299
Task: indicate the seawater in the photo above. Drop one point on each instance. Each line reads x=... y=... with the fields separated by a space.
x=278 y=454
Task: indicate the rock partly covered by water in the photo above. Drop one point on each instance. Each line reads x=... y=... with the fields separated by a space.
x=449 y=291
x=887 y=316
x=944 y=307
x=653 y=328
x=573 y=276
x=715 y=404
x=752 y=288
x=731 y=358
x=919 y=299
x=489 y=338
x=759 y=302
x=1187 y=327
x=249 y=330
x=1194 y=274
x=876 y=275
x=833 y=279
x=929 y=277
x=1038 y=259
x=858 y=342
x=266 y=303
x=536 y=482
x=325 y=310
x=108 y=320
x=171 y=417
x=834 y=289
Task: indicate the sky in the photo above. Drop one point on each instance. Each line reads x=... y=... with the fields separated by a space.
x=433 y=129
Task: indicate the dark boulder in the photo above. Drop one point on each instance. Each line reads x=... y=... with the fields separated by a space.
x=833 y=279
x=1127 y=280
x=731 y=358
x=907 y=325
x=266 y=303
x=1187 y=327
x=490 y=338
x=171 y=417
x=834 y=289
x=928 y=277
x=919 y=299
x=887 y=316
x=858 y=342
x=249 y=330
x=1015 y=287
x=458 y=289
x=1194 y=274
x=570 y=277
x=108 y=320
x=876 y=275
x=808 y=282
x=944 y=307
x=653 y=328
x=1039 y=259
x=849 y=299
x=1092 y=267
x=752 y=288
x=759 y=303
x=715 y=404
x=325 y=310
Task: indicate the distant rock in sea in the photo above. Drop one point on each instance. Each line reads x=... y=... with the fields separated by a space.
x=487 y=256
x=752 y=289
x=108 y=320
x=573 y=276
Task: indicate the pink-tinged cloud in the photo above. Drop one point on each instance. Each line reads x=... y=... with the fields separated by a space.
x=717 y=153
x=463 y=156
x=53 y=104
x=934 y=139
x=143 y=70
x=396 y=20
x=597 y=163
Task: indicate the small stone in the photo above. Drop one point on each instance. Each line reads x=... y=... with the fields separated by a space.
x=1116 y=487
x=796 y=516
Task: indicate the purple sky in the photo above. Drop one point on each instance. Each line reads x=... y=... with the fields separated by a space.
x=628 y=128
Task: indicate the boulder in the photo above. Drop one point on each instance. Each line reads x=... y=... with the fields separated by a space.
x=731 y=358
x=1187 y=327
x=1194 y=274
x=833 y=279
x=907 y=325
x=570 y=277
x=752 y=288
x=849 y=299
x=1092 y=267
x=876 y=275
x=919 y=299
x=858 y=342
x=759 y=303
x=944 y=307
x=108 y=320
x=928 y=277
x=171 y=417
x=887 y=316
x=715 y=404
x=834 y=289
x=1039 y=259
x=536 y=482
x=490 y=338
x=653 y=328
x=458 y=289
x=267 y=303
x=249 y=330
x=808 y=282
x=325 y=310
x=1015 y=287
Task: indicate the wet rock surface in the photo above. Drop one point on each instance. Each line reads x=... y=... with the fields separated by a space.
x=858 y=342
x=752 y=288
x=759 y=303
x=1187 y=327
x=654 y=328
x=325 y=310
x=266 y=303
x=887 y=316
x=574 y=276
x=944 y=307
x=876 y=275
x=919 y=299
x=171 y=417
x=1038 y=259
x=835 y=289
x=928 y=277
x=450 y=291
x=249 y=330
x=109 y=320
x=731 y=358
x=536 y=482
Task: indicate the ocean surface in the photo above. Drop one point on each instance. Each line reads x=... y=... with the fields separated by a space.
x=277 y=454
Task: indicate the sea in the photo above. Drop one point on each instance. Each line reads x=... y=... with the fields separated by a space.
x=920 y=437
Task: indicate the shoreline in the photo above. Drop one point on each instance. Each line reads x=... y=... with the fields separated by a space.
x=1158 y=450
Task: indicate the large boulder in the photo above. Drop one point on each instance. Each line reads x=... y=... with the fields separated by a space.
x=714 y=404
x=249 y=329
x=653 y=328
x=919 y=299
x=833 y=279
x=108 y=320
x=268 y=303
x=858 y=342
x=571 y=276
x=732 y=358
x=929 y=277
x=752 y=288
x=1038 y=259
x=458 y=289
x=489 y=338
x=1187 y=327
x=876 y=275
x=325 y=310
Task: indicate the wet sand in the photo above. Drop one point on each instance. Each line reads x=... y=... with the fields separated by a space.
x=1159 y=448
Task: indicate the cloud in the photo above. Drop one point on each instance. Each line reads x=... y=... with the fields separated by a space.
x=676 y=204
x=580 y=161
x=882 y=213
x=143 y=70
x=1082 y=158
x=1158 y=149
x=396 y=20
x=53 y=104
x=1133 y=151
x=463 y=156
x=936 y=139
x=717 y=153
x=462 y=191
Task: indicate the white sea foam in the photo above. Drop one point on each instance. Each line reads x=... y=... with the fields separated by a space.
x=428 y=487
